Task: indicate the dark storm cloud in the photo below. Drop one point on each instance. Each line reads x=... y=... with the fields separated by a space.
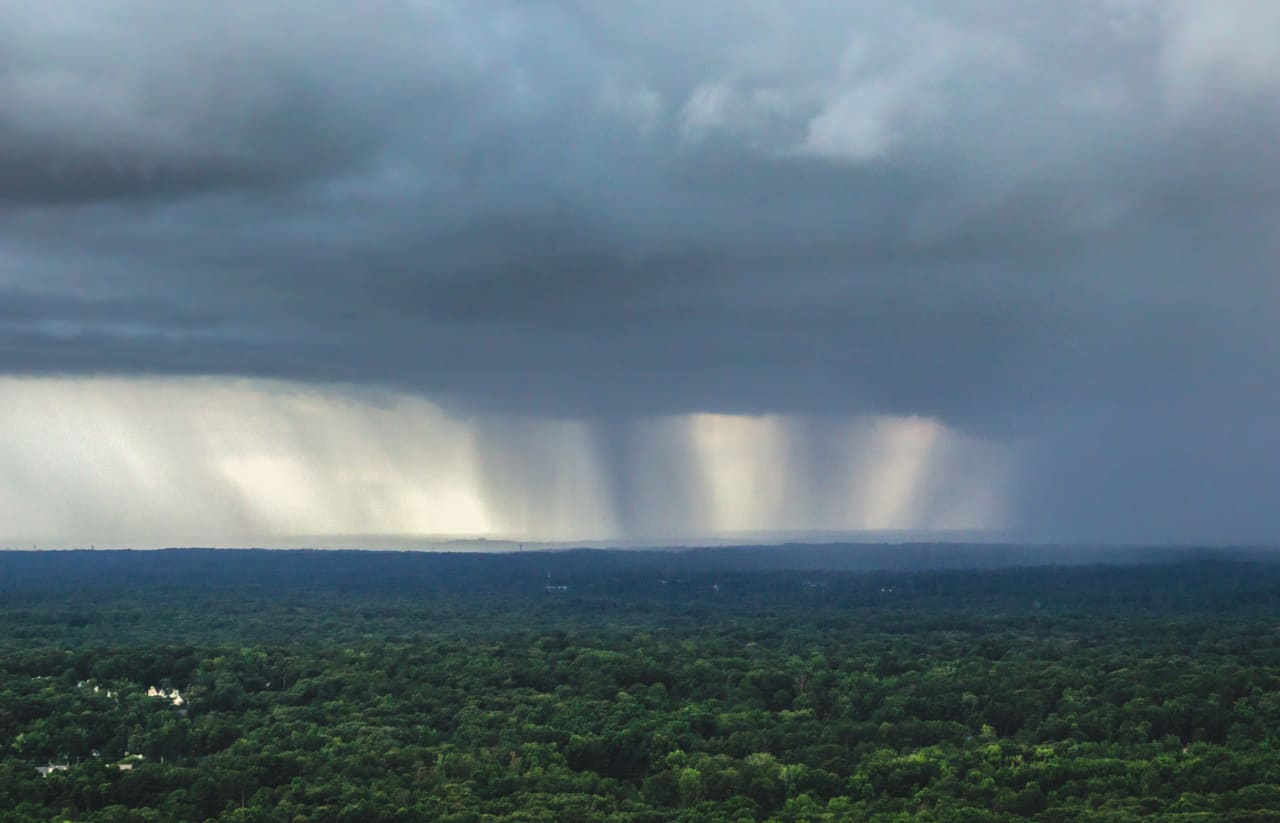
x=1050 y=224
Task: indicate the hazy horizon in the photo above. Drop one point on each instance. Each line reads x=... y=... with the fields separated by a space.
x=765 y=540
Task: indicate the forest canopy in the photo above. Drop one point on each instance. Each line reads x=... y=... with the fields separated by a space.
x=368 y=687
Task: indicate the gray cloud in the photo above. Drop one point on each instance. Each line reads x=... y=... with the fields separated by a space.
x=1048 y=225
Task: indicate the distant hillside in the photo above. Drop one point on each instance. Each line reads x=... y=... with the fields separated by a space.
x=25 y=570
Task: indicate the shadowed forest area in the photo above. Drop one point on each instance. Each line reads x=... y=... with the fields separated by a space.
x=745 y=684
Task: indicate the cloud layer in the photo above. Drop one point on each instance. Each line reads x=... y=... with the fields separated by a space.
x=1047 y=226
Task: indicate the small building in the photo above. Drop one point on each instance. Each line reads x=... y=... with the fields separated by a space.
x=49 y=769
x=171 y=695
x=127 y=764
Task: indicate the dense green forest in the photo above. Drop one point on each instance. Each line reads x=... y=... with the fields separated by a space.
x=367 y=687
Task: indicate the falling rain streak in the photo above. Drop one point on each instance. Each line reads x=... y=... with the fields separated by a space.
x=152 y=463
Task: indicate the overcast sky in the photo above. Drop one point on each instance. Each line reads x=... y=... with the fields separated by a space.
x=1038 y=239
